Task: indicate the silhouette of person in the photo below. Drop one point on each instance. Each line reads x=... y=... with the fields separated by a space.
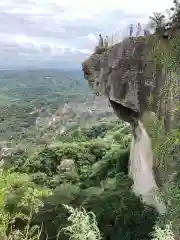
x=101 y=44
x=130 y=30
x=138 y=30
x=106 y=42
x=146 y=32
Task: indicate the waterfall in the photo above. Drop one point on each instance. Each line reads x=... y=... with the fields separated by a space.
x=141 y=169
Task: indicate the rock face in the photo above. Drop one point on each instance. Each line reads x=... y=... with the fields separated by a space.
x=126 y=76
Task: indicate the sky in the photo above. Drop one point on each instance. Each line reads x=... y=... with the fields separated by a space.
x=62 y=33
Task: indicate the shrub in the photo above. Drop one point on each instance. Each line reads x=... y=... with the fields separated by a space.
x=97 y=131
x=82 y=225
x=163 y=234
x=120 y=215
x=19 y=201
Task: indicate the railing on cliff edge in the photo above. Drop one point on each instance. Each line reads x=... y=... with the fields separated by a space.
x=121 y=34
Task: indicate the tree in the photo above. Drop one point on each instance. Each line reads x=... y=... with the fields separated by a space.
x=176 y=12
x=157 y=22
x=166 y=54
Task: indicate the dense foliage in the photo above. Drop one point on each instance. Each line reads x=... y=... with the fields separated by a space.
x=165 y=52
x=75 y=186
x=97 y=177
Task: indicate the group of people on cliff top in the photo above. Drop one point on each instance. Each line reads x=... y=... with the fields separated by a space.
x=103 y=43
x=138 y=30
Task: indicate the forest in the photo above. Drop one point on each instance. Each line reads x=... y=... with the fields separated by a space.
x=75 y=185
x=86 y=168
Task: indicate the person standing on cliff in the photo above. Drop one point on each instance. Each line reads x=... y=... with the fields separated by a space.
x=101 y=43
x=130 y=30
x=146 y=32
x=138 y=30
x=106 y=42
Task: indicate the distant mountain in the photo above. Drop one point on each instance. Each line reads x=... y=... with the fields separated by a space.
x=31 y=84
x=18 y=60
x=39 y=65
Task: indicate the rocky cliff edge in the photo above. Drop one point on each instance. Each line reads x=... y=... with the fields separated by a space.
x=125 y=74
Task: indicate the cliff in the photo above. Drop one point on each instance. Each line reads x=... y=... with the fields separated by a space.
x=125 y=74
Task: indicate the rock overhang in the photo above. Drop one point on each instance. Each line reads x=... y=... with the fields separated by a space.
x=125 y=74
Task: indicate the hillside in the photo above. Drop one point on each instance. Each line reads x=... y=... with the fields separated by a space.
x=139 y=77
x=80 y=160
x=31 y=99
x=42 y=85
x=73 y=147
x=67 y=163
x=87 y=167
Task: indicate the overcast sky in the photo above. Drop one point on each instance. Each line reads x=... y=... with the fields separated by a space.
x=64 y=31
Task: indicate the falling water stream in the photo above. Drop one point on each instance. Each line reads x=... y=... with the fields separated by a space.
x=141 y=169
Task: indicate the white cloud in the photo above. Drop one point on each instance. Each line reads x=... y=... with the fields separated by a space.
x=88 y=8
x=85 y=51
x=23 y=11
x=54 y=28
x=92 y=37
x=25 y=40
